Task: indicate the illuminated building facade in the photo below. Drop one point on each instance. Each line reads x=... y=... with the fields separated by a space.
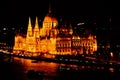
x=84 y=45
x=49 y=39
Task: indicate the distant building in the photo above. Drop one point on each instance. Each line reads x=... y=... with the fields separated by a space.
x=49 y=39
x=5 y=47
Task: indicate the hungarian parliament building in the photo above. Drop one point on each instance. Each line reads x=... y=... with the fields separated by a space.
x=53 y=40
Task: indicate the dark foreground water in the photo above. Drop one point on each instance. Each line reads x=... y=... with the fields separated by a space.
x=18 y=69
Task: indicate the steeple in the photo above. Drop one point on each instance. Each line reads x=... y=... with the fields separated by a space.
x=70 y=30
x=29 y=30
x=70 y=25
x=65 y=25
x=49 y=11
x=36 y=29
x=36 y=23
x=29 y=25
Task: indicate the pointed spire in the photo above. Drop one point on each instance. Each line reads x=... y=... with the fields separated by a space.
x=29 y=30
x=70 y=25
x=65 y=23
x=36 y=29
x=70 y=30
x=49 y=8
x=29 y=25
x=36 y=22
x=29 y=20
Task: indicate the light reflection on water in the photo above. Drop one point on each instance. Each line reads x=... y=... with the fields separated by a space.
x=46 y=67
x=50 y=68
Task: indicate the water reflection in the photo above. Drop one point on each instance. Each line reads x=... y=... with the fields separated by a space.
x=56 y=71
x=49 y=68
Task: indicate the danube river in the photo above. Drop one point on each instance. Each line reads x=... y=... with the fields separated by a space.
x=17 y=69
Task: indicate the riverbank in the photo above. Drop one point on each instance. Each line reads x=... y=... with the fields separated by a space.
x=16 y=70
x=70 y=59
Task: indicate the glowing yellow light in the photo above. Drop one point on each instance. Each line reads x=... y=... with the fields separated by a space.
x=111 y=69
x=111 y=54
x=46 y=40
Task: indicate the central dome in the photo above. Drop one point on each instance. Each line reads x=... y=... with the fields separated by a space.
x=50 y=21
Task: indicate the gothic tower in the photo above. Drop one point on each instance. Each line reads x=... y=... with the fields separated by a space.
x=36 y=29
x=29 y=38
x=70 y=30
x=29 y=30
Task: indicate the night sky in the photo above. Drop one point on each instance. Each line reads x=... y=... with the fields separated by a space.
x=17 y=12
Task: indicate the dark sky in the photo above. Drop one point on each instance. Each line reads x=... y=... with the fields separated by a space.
x=16 y=12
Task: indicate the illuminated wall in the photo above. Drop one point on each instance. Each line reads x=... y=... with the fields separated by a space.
x=19 y=44
x=49 y=39
x=84 y=44
x=63 y=45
